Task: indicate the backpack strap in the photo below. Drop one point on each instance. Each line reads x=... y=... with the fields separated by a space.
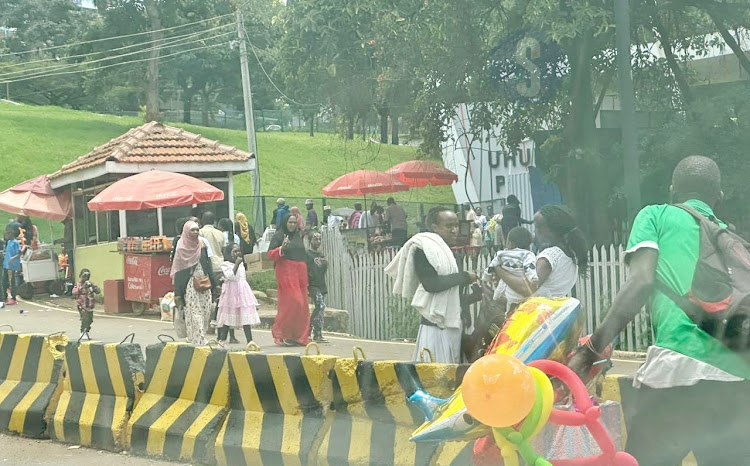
x=699 y=217
x=682 y=301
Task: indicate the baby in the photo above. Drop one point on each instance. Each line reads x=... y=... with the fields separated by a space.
x=516 y=259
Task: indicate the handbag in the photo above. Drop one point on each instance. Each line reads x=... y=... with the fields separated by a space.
x=202 y=283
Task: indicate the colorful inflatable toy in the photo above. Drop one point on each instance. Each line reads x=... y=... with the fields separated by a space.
x=525 y=407
x=541 y=328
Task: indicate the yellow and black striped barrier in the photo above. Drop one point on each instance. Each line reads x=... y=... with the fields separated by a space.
x=30 y=368
x=99 y=392
x=185 y=402
x=372 y=419
x=278 y=405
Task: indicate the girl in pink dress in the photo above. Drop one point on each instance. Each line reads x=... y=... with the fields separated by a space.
x=237 y=304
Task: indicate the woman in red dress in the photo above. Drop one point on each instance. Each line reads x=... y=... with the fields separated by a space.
x=292 y=324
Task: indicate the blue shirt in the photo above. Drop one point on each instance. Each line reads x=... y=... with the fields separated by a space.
x=12 y=259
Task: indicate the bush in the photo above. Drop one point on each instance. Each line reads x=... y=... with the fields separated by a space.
x=262 y=281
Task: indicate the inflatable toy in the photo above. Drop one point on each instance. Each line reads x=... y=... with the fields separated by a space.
x=541 y=328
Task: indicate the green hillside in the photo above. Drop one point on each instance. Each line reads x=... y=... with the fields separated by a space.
x=38 y=140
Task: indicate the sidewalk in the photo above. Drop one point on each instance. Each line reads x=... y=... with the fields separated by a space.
x=50 y=315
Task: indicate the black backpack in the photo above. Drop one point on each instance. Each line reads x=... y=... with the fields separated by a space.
x=718 y=299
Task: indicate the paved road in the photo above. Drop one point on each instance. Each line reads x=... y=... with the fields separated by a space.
x=17 y=450
x=54 y=315
x=47 y=316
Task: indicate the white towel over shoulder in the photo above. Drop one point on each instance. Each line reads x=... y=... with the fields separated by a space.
x=442 y=309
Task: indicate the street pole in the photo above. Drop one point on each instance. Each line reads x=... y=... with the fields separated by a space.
x=152 y=73
x=249 y=119
x=627 y=108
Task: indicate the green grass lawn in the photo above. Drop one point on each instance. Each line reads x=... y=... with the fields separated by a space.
x=37 y=140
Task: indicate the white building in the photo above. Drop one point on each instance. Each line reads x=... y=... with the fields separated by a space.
x=488 y=173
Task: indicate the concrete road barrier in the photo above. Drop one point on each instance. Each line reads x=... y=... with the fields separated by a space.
x=278 y=406
x=30 y=369
x=100 y=389
x=185 y=403
x=372 y=419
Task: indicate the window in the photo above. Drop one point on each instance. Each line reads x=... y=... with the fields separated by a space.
x=80 y=223
x=220 y=208
x=93 y=227
x=170 y=216
x=108 y=225
x=90 y=221
x=142 y=223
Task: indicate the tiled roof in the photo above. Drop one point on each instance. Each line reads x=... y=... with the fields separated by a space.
x=156 y=143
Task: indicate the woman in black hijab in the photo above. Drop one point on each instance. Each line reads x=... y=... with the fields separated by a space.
x=292 y=324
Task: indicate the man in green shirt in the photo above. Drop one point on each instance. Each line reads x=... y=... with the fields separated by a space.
x=692 y=391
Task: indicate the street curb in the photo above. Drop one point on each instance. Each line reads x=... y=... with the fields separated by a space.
x=628 y=355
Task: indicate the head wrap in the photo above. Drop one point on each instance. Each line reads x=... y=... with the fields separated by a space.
x=296 y=249
x=300 y=221
x=244 y=226
x=188 y=251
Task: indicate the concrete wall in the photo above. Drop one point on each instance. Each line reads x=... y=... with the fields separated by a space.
x=104 y=263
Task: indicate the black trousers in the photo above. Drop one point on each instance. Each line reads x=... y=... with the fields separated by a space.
x=711 y=419
x=224 y=330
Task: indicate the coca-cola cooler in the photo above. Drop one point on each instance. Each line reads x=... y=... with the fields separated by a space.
x=146 y=279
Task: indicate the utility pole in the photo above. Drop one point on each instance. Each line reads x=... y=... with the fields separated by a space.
x=152 y=80
x=627 y=108
x=249 y=119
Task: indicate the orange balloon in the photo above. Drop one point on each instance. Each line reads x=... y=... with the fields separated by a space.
x=499 y=390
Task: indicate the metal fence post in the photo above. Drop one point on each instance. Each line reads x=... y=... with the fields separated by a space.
x=263 y=209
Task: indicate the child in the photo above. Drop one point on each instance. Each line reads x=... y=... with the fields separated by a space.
x=11 y=267
x=518 y=260
x=237 y=304
x=317 y=288
x=84 y=293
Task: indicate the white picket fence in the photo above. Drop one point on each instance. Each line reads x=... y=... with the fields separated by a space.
x=358 y=283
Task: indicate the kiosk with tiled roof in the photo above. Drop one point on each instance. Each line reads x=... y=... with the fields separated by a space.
x=150 y=146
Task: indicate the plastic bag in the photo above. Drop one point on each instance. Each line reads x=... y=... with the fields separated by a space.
x=167 y=305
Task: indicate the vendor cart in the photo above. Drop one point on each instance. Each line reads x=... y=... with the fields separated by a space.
x=40 y=268
x=147 y=264
x=146 y=278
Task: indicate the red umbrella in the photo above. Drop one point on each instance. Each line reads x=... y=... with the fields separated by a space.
x=36 y=198
x=420 y=173
x=362 y=183
x=154 y=189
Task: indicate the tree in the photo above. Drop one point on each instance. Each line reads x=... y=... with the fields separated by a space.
x=39 y=25
x=581 y=159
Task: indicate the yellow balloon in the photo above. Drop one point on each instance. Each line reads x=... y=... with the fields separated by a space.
x=499 y=390
x=548 y=399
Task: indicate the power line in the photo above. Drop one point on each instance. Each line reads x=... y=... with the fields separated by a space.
x=109 y=76
x=116 y=64
x=83 y=55
x=47 y=70
x=104 y=39
x=252 y=47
